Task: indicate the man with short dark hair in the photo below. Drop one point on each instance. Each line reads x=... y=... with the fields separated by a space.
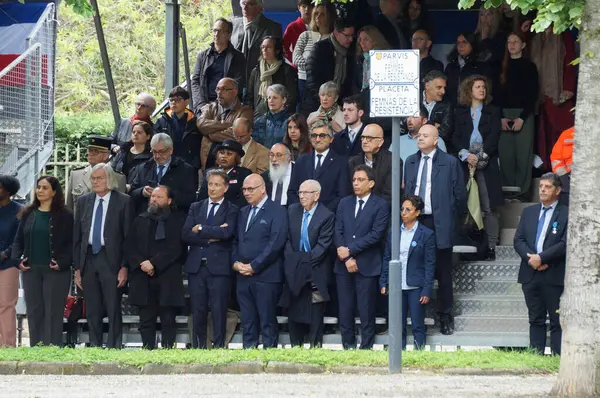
x=220 y=60
x=408 y=142
x=180 y=124
x=422 y=41
x=347 y=142
x=439 y=112
x=541 y=242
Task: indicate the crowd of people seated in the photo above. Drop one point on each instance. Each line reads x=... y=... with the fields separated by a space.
x=275 y=191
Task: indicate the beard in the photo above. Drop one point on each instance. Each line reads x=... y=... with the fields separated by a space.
x=157 y=210
x=277 y=173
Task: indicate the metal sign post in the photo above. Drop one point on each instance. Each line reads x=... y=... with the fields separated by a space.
x=394 y=84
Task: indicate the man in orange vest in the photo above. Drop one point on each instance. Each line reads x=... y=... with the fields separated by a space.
x=562 y=161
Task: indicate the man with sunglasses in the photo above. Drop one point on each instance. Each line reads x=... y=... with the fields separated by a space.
x=323 y=165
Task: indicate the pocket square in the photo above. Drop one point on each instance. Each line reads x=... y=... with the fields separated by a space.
x=263 y=222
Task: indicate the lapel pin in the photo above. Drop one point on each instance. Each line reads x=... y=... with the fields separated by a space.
x=413 y=244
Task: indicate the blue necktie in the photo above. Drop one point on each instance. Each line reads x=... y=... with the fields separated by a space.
x=304 y=242
x=97 y=230
x=252 y=215
x=423 y=183
x=211 y=213
x=540 y=225
x=360 y=207
x=161 y=169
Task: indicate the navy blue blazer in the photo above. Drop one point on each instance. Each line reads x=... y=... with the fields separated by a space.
x=341 y=143
x=363 y=236
x=262 y=245
x=448 y=192
x=217 y=254
x=420 y=265
x=555 y=244
x=333 y=177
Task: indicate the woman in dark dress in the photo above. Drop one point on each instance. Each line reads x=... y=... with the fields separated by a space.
x=134 y=152
x=43 y=249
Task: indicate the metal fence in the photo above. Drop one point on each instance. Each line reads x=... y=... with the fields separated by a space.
x=64 y=159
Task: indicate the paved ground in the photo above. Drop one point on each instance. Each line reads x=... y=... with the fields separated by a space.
x=275 y=386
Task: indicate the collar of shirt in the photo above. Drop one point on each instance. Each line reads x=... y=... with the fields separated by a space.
x=311 y=211
x=106 y=198
x=166 y=166
x=365 y=199
x=432 y=103
x=369 y=162
x=354 y=131
x=261 y=203
x=246 y=146
x=414 y=228
x=220 y=202
x=551 y=207
x=324 y=153
x=430 y=154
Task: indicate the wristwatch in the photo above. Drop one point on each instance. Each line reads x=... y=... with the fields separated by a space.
x=199 y=227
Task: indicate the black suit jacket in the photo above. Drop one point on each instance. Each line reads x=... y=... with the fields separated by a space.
x=237 y=175
x=269 y=183
x=341 y=142
x=382 y=166
x=116 y=226
x=389 y=32
x=555 y=244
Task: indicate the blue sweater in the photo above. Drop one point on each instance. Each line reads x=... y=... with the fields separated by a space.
x=8 y=229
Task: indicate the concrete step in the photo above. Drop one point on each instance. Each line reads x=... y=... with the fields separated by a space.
x=481 y=305
x=467 y=272
x=484 y=287
x=506 y=324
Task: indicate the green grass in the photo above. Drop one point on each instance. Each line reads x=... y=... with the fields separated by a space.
x=489 y=359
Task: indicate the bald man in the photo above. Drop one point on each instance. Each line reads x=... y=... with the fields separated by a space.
x=257 y=257
x=256 y=156
x=437 y=178
x=376 y=157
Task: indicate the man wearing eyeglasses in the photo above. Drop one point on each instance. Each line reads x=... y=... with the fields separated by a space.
x=144 y=104
x=256 y=156
x=377 y=158
x=323 y=165
x=257 y=259
x=422 y=41
x=278 y=177
x=220 y=60
x=180 y=124
x=164 y=169
x=250 y=30
x=98 y=151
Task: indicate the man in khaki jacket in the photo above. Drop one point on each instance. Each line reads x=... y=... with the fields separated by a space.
x=216 y=120
x=256 y=156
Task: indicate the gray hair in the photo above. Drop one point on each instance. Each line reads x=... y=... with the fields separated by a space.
x=161 y=137
x=330 y=88
x=111 y=178
x=150 y=99
x=217 y=173
x=315 y=184
x=553 y=178
x=320 y=124
x=278 y=89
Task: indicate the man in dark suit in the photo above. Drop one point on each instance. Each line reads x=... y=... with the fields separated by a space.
x=422 y=41
x=388 y=23
x=250 y=30
x=438 y=179
x=209 y=231
x=257 y=258
x=439 y=112
x=278 y=177
x=102 y=220
x=164 y=169
x=323 y=165
x=154 y=251
x=307 y=265
x=347 y=142
x=361 y=223
x=541 y=242
x=229 y=158
x=378 y=158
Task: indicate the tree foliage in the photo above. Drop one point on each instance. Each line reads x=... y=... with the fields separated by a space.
x=135 y=37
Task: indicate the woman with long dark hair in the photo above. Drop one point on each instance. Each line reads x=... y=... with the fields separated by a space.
x=134 y=152
x=43 y=248
x=296 y=138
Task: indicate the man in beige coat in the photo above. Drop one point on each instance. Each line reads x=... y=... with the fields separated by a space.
x=256 y=156
x=216 y=120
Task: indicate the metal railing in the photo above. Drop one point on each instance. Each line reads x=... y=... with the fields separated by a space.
x=64 y=159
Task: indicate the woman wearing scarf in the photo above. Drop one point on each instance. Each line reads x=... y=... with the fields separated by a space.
x=271 y=69
x=369 y=38
x=329 y=110
x=145 y=104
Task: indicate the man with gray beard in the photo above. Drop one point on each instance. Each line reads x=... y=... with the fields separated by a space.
x=277 y=178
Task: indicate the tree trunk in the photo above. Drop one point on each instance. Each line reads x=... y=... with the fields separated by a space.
x=579 y=374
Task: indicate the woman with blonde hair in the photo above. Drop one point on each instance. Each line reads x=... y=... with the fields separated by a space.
x=369 y=38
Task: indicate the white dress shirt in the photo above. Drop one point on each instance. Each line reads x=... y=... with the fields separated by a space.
x=549 y=214
x=245 y=148
x=106 y=199
x=286 y=183
x=406 y=238
x=364 y=199
x=428 y=208
x=210 y=202
x=324 y=153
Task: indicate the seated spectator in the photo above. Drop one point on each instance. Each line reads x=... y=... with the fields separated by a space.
x=296 y=138
x=415 y=17
x=329 y=111
x=421 y=40
x=408 y=142
x=220 y=60
x=387 y=22
x=145 y=104
x=369 y=38
x=330 y=61
x=180 y=124
x=517 y=96
x=476 y=138
x=229 y=158
x=377 y=158
x=463 y=61
x=417 y=255
x=491 y=41
x=347 y=142
x=321 y=26
x=135 y=152
x=562 y=162
x=296 y=28
x=164 y=169
x=439 y=109
x=216 y=121
x=271 y=69
x=278 y=177
x=256 y=156
x=270 y=127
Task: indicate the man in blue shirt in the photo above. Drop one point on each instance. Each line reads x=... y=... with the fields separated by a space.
x=408 y=142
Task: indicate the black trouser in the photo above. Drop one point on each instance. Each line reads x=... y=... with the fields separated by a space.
x=443 y=273
x=315 y=330
x=168 y=326
x=101 y=293
x=543 y=299
x=46 y=293
x=355 y=290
